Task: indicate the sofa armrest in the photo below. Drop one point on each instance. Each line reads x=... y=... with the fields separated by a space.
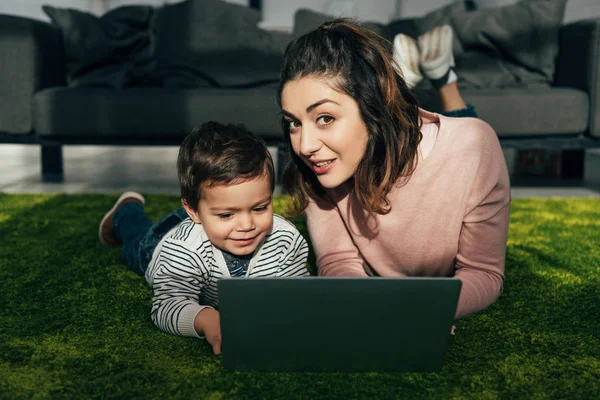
x=578 y=64
x=31 y=58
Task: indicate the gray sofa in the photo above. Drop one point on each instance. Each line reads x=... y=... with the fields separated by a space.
x=39 y=105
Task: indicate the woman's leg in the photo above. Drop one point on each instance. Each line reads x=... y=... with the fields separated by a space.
x=451 y=98
x=432 y=53
x=453 y=104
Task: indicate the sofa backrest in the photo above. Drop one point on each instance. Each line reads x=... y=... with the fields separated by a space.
x=31 y=59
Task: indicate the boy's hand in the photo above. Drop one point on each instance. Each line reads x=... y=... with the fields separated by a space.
x=208 y=323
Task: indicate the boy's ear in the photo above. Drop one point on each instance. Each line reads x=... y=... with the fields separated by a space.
x=194 y=215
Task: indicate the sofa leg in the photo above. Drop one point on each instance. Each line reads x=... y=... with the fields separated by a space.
x=572 y=165
x=52 y=163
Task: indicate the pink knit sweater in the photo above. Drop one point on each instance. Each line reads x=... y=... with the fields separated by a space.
x=450 y=219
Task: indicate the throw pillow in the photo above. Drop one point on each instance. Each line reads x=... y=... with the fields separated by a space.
x=114 y=50
x=214 y=43
x=306 y=20
x=524 y=35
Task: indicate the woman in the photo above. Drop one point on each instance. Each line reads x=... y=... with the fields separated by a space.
x=389 y=189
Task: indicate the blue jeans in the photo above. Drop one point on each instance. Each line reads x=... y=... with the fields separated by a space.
x=139 y=236
x=469 y=111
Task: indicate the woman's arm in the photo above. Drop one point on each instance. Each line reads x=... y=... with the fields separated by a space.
x=482 y=241
x=334 y=249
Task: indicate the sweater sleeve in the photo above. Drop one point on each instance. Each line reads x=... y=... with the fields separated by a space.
x=482 y=241
x=177 y=285
x=336 y=253
x=294 y=263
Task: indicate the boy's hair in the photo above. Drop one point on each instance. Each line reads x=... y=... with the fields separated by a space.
x=216 y=154
x=360 y=64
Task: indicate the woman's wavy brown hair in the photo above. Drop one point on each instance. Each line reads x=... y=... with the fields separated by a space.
x=360 y=64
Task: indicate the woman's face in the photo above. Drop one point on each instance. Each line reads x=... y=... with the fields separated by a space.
x=326 y=129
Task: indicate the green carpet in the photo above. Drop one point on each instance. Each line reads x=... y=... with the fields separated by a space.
x=74 y=323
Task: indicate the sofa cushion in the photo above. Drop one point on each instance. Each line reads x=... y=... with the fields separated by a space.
x=306 y=20
x=113 y=50
x=214 y=43
x=146 y=113
x=542 y=111
x=485 y=70
x=524 y=34
x=157 y=113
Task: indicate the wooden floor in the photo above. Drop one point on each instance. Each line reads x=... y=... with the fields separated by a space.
x=109 y=169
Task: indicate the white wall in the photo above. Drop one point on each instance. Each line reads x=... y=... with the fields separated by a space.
x=581 y=9
x=116 y=3
x=279 y=14
x=412 y=8
x=33 y=8
x=576 y=9
x=108 y=4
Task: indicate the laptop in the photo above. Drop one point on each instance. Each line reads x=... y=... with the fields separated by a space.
x=332 y=324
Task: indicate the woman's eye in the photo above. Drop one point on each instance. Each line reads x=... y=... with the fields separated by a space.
x=292 y=125
x=325 y=120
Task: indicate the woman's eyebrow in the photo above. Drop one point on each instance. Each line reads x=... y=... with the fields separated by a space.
x=318 y=103
x=288 y=114
x=310 y=108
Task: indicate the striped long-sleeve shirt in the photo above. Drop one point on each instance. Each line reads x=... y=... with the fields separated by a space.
x=186 y=266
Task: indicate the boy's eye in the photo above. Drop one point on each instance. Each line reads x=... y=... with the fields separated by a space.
x=225 y=216
x=325 y=120
x=260 y=209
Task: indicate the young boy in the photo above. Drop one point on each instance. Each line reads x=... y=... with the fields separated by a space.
x=226 y=228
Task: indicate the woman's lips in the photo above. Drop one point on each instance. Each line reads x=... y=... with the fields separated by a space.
x=322 y=167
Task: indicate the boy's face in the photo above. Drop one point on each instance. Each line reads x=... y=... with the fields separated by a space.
x=236 y=217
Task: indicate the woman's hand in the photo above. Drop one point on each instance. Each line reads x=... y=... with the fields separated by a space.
x=208 y=323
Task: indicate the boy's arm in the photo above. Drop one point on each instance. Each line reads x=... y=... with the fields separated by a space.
x=208 y=322
x=177 y=285
x=294 y=264
x=292 y=261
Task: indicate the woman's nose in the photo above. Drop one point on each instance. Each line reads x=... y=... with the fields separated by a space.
x=309 y=142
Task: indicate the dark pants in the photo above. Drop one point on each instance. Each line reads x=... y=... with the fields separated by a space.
x=139 y=236
x=469 y=111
